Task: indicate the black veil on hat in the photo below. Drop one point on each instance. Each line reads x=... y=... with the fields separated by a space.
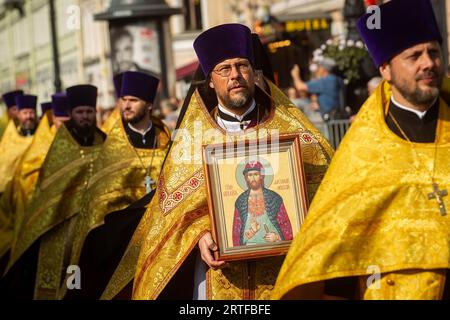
x=262 y=61
x=45 y=106
x=208 y=95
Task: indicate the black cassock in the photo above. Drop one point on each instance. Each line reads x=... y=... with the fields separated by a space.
x=416 y=129
x=18 y=283
x=103 y=249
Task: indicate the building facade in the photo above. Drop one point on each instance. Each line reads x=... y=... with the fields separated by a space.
x=26 y=60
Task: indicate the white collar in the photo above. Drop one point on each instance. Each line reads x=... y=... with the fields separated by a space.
x=137 y=131
x=420 y=114
x=252 y=107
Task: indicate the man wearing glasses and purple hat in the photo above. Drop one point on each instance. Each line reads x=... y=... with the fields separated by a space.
x=378 y=226
x=176 y=247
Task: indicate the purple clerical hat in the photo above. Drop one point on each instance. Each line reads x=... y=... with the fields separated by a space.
x=45 y=106
x=83 y=95
x=403 y=24
x=10 y=98
x=26 y=101
x=117 y=81
x=60 y=105
x=140 y=85
x=226 y=41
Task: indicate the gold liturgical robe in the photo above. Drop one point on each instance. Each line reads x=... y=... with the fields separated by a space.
x=18 y=192
x=178 y=216
x=12 y=147
x=57 y=198
x=118 y=181
x=111 y=120
x=372 y=213
x=3 y=122
x=34 y=157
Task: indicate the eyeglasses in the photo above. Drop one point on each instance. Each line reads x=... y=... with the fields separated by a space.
x=225 y=70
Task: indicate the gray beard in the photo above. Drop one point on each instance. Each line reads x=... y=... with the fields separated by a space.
x=29 y=125
x=238 y=103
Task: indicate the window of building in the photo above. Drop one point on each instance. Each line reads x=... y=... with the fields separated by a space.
x=41 y=25
x=192 y=15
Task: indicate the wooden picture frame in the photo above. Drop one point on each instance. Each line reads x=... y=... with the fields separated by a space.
x=257 y=196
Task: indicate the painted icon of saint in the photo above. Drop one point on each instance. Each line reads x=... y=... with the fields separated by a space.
x=260 y=216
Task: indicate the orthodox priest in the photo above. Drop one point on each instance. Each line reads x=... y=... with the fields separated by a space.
x=17 y=139
x=25 y=177
x=48 y=225
x=174 y=238
x=17 y=194
x=13 y=144
x=378 y=227
x=45 y=106
x=4 y=118
x=11 y=109
x=126 y=170
x=9 y=98
x=121 y=283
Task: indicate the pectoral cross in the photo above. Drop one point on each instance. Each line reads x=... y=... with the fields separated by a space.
x=438 y=195
x=148 y=184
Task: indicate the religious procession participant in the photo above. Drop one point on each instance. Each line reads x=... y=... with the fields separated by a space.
x=4 y=119
x=9 y=99
x=45 y=106
x=121 y=282
x=59 y=111
x=19 y=190
x=17 y=139
x=126 y=170
x=379 y=226
x=27 y=172
x=11 y=110
x=14 y=142
x=48 y=225
x=177 y=220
